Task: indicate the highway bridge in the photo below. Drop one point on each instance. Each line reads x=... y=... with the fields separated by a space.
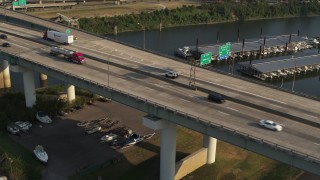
x=135 y=77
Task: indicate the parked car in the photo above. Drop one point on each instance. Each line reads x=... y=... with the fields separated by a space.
x=23 y=125
x=216 y=97
x=3 y=36
x=6 y=44
x=43 y=117
x=13 y=129
x=270 y=125
x=108 y=137
x=172 y=74
x=94 y=130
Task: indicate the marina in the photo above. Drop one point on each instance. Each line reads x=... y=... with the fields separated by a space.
x=270 y=68
x=255 y=47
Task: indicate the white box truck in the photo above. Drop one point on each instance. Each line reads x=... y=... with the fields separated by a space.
x=58 y=37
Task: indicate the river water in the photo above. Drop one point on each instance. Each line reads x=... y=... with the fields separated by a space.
x=170 y=39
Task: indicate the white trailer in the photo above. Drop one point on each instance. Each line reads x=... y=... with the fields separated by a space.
x=59 y=37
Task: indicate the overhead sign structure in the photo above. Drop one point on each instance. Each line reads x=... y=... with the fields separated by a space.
x=68 y=31
x=205 y=58
x=224 y=51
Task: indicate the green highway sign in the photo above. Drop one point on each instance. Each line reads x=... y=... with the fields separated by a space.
x=68 y=31
x=205 y=58
x=224 y=51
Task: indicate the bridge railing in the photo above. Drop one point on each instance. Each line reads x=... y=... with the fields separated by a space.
x=174 y=111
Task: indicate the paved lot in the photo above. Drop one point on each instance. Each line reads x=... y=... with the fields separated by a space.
x=69 y=149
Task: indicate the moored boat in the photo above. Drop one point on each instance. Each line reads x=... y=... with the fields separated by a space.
x=41 y=154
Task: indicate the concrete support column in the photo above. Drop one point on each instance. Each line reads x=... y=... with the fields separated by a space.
x=43 y=80
x=29 y=88
x=1 y=80
x=211 y=144
x=71 y=94
x=6 y=74
x=168 y=152
x=167 y=145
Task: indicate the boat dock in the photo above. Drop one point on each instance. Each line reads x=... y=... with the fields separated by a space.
x=262 y=46
x=268 y=69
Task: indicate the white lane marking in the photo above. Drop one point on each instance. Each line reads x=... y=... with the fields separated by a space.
x=276 y=106
x=159 y=85
x=232 y=109
x=223 y=113
x=184 y=100
x=317 y=144
x=233 y=93
x=311 y=116
x=245 y=92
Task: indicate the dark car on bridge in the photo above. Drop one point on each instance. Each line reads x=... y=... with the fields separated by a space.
x=3 y=36
x=6 y=44
x=216 y=97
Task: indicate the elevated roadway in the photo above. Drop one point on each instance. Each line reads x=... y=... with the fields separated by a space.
x=143 y=83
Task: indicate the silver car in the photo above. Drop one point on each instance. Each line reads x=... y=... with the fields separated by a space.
x=270 y=125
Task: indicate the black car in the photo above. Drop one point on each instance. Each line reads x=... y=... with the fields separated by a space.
x=6 y=44
x=3 y=36
x=216 y=97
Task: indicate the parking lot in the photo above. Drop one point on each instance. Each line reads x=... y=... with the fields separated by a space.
x=69 y=149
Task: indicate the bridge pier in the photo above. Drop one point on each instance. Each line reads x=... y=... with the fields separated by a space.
x=28 y=84
x=29 y=88
x=211 y=144
x=43 y=80
x=71 y=95
x=5 y=81
x=167 y=145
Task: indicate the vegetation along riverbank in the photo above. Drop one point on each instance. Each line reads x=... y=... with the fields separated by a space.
x=202 y=14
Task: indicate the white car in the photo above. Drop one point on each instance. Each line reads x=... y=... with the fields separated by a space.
x=172 y=74
x=270 y=125
x=43 y=117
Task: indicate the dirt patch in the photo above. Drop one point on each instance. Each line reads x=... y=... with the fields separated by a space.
x=92 y=9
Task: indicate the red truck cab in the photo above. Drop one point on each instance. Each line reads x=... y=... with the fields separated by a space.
x=79 y=57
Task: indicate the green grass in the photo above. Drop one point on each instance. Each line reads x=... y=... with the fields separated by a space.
x=143 y=162
x=24 y=164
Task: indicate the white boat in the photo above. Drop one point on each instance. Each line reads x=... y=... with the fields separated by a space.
x=108 y=137
x=43 y=117
x=82 y=124
x=94 y=130
x=41 y=154
x=183 y=52
x=148 y=136
x=132 y=140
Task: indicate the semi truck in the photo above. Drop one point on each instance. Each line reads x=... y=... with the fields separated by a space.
x=69 y=55
x=58 y=37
